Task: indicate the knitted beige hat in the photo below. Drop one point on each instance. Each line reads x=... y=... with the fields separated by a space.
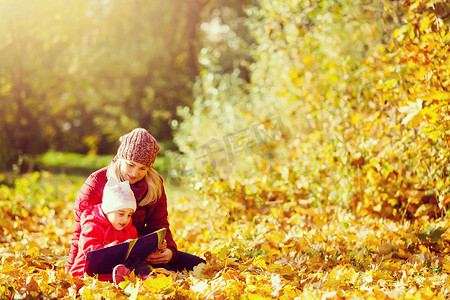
x=117 y=195
x=138 y=146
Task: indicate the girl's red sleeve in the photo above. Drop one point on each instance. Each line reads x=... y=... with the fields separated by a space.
x=90 y=194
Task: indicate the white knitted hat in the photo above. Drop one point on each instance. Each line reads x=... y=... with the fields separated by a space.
x=117 y=195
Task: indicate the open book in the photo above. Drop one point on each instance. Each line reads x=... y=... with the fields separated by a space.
x=102 y=261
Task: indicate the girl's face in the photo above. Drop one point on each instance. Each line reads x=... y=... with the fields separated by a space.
x=133 y=171
x=120 y=218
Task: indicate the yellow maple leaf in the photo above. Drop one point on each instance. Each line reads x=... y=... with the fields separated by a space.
x=200 y=287
x=413 y=113
x=259 y=262
x=256 y=297
x=159 y=283
x=373 y=176
x=132 y=290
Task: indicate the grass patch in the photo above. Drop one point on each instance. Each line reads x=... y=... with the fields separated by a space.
x=73 y=168
x=73 y=160
x=81 y=164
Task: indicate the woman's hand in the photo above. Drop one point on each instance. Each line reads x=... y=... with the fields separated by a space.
x=160 y=258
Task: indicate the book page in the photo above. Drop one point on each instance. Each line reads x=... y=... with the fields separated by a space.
x=161 y=235
x=130 y=246
x=147 y=244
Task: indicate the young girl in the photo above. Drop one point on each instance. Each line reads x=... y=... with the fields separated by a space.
x=107 y=224
x=134 y=163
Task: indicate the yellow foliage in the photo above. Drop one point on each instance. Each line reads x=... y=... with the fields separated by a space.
x=157 y=284
x=312 y=226
x=413 y=113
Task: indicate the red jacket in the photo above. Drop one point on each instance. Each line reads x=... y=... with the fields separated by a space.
x=146 y=219
x=96 y=233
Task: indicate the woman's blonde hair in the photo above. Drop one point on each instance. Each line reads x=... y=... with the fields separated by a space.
x=154 y=181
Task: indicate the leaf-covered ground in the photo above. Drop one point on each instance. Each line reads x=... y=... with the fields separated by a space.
x=273 y=250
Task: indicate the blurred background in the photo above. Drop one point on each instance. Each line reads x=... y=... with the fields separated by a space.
x=76 y=75
x=321 y=100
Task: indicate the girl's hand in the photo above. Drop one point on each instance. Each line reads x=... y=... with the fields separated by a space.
x=160 y=258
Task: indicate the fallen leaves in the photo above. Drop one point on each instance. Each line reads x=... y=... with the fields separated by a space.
x=158 y=284
x=284 y=252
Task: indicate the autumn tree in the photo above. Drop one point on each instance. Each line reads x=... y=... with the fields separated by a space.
x=351 y=99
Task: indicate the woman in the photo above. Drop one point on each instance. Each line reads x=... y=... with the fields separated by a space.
x=134 y=163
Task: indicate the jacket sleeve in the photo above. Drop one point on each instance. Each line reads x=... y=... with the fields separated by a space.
x=91 y=238
x=159 y=219
x=89 y=194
